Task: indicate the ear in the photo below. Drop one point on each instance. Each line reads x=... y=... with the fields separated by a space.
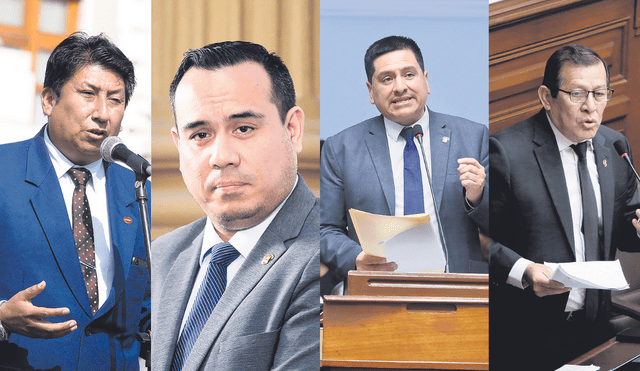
x=295 y=127
x=370 y=92
x=544 y=94
x=426 y=79
x=176 y=137
x=48 y=99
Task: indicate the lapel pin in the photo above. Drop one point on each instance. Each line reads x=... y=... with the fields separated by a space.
x=445 y=139
x=127 y=220
x=267 y=258
x=604 y=162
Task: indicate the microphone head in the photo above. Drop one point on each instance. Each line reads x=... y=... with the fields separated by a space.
x=107 y=147
x=417 y=130
x=620 y=147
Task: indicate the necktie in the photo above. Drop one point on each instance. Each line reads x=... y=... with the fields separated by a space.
x=210 y=291
x=83 y=234
x=413 y=196
x=589 y=223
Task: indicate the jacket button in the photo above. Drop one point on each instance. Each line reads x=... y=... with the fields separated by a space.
x=87 y=331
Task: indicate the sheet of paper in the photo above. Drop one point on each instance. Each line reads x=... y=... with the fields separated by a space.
x=578 y=368
x=416 y=250
x=373 y=230
x=605 y=275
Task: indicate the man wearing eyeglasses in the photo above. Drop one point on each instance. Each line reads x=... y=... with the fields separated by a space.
x=559 y=193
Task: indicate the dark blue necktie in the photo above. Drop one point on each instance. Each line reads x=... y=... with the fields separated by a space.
x=413 y=196
x=209 y=293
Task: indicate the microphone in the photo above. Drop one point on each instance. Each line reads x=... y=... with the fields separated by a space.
x=112 y=149
x=622 y=151
x=417 y=131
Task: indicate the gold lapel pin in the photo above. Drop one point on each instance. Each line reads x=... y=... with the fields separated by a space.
x=604 y=162
x=445 y=139
x=127 y=220
x=267 y=258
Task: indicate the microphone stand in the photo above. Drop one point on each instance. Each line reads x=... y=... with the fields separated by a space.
x=435 y=204
x=141 y=197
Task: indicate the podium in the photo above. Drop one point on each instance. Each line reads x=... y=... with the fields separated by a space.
x=408 y=321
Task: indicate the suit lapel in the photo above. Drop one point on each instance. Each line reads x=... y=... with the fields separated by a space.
x=548 y=158
x=175 y=291
x=284 y=227
x=50 y=209
x=121 y=204
x=439 y=148
x=378 y=147
x=605 y=177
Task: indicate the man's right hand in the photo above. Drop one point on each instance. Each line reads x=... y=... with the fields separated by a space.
x=21 y=317
x=366 y=262
x=537 y=276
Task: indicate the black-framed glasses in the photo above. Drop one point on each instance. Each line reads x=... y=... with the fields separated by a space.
x=579 y=95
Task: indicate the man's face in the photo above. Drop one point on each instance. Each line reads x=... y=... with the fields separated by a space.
x=576 y=121
x=236 y=157
x=398 y=87
x=89 y=109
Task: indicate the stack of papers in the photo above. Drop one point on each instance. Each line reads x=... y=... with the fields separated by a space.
x=606 y=275
x=578 y=368
x=411 y=241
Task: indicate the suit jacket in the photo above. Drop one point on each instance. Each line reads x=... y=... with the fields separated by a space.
x=268 y=316
x=355 y=172
x=530 y=217
x=36 y=243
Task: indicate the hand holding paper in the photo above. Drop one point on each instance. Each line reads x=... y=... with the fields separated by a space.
x=606 y=275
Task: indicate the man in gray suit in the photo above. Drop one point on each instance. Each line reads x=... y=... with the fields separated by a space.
x=238 y=290
x=362 y=166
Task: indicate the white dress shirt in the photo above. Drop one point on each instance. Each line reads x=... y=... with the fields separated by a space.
x=396 y=153
x=570 y=166
x=243 y=241
x=97 y=196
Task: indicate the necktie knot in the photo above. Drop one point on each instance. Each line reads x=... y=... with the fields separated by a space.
x=407 y=134
x=580 y=149
x=80 y=175
x=224 y=254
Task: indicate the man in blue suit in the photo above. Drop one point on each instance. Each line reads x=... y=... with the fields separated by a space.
x=74 y=288
x=362 y=166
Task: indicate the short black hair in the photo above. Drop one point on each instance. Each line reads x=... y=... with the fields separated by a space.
x=577 y=55
x=231 y=53
x=387 y=45
x=80 y=50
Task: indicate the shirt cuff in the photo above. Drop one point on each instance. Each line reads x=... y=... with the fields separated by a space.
x=4 y=334
x=468 y=205
x=516 y=274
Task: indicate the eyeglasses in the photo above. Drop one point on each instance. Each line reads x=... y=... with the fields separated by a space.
x=579 y=96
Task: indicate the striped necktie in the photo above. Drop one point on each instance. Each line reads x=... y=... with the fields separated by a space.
x=208 y=295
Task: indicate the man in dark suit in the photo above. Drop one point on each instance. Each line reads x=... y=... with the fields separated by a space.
x=238 y=131
x=362 y=166
x=556 y=200
x=74 y=289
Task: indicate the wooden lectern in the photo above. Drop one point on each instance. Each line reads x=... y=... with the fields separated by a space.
x=408 y=321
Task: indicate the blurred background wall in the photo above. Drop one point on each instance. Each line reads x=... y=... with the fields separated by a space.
x=288 y=27
x=30 y=29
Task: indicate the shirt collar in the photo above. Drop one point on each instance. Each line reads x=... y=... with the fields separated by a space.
x=243 y=240
x=564 y=142
x=393 y=128
x=61 y=164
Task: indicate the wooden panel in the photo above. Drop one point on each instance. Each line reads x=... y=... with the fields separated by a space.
x=522 y=36
x=419 y=284
x=406 y=332
x=290 y=28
